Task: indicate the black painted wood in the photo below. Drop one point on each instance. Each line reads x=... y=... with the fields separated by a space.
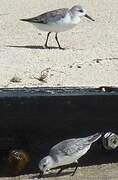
x=35 y=119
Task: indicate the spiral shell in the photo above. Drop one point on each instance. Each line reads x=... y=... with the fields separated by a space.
x=18 y=160
x=110 y=141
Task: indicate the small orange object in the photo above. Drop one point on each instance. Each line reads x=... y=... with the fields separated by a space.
x=18 y=160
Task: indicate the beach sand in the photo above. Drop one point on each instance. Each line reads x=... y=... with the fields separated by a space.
x=90 y=57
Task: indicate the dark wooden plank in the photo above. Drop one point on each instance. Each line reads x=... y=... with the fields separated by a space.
x=36 y=119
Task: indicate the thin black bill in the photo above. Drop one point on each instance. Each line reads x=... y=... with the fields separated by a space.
x=87 y=16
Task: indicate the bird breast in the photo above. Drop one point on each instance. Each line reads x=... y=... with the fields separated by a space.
x=75 y=19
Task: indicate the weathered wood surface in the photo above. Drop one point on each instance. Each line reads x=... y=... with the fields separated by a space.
x=99 y=172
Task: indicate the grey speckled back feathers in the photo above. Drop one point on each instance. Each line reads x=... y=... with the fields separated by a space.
x=50 y=16
x=71 y=146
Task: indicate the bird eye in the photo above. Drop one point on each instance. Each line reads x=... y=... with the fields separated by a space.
x=81 y=10
x=44 y=165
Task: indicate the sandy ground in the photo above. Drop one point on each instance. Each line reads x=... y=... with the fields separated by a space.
x=90 y=57
x=101 y=172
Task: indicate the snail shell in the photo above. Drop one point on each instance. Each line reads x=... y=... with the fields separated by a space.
x=18 y=160
x=110 y=141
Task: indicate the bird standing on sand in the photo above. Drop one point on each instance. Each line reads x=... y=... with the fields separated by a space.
x=58 y=20
x=67 y=152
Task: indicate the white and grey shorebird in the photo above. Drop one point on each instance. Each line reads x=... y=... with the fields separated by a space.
x=67 y=152
x=58 y=20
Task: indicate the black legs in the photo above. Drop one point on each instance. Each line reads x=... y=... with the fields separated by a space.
x=60 y=171
x=62 y=168
x=46 y=43
x=47 y=39
x=75 y=169
x=39 y=176
x=58 y=42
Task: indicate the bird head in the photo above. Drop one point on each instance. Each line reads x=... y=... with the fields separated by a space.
x=45 y=164
x=79 y=11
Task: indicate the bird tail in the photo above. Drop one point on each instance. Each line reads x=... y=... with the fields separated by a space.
x=94 y=137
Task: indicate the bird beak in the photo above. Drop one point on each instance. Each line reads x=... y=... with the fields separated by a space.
x=87 y=16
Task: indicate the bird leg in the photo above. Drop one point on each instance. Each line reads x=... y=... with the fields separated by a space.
x=61 y=169
x=39 y=176
x=58 y=42
x=75 y=169
x=47 y=40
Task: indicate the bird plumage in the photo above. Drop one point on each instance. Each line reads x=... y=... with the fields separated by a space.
x=67 y=152
x=48 y=17
x=58 y=20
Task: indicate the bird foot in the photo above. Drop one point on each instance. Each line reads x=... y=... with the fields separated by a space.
x=49 y=47
x=72 y=174
x=46 y=46
x=37 y=177
x=58 y=173
x=61 y=48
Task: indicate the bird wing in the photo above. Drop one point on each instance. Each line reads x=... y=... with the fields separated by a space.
x=68 y=147
x=50 y=16
x=72 y=146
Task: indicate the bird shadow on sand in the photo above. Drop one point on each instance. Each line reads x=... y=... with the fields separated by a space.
x=32 y=47
x=51 y=175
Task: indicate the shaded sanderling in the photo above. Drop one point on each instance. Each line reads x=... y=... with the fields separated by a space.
x=67 y=152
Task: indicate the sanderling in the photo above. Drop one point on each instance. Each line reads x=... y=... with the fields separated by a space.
x=58 y=20
x=67 y=152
